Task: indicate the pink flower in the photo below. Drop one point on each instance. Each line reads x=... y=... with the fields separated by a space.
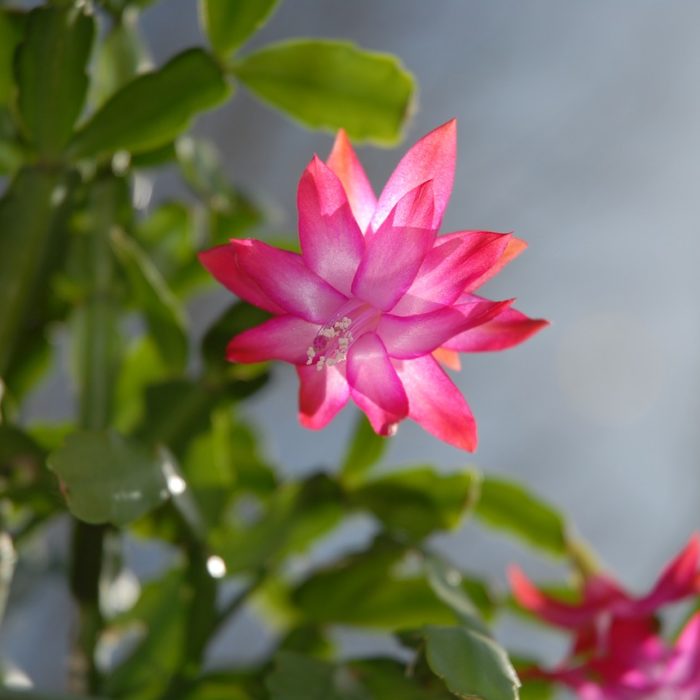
x=376 y=298
x=616 y=652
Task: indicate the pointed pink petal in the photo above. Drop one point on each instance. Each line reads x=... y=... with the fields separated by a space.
x=283 y=338
x=435 y=402
x=509 y=328
x=284 y=278
x=345 y=164
x=685 y=664
x=331 y=241
x=454 y=263
x=677 y=581
x=222 y=263
x=322 y=393
x=554 y=611
x=393 y=255
x=432 y=158
x=374 y=384
x=513 y=249
x=407 y=337
x=449 y=358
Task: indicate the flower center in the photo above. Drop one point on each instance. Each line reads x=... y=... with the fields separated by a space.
x=333 y=340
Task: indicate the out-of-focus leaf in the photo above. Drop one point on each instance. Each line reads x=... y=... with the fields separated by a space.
x=366 y=449
x=154 y=157
x=23 y=694
x=508 y=506
x=106 y=479
x=161 y=612
x=51 y=74
x=153 y=108
x=120 y=56
x=11 y=30
x=471 y=664
x=364 y=590
x=26 y=216
x=232 y=686
x=154 y=298
x=295 y=516
x=332 y=85
x=299 y=677
x=418 y=501
x=229 y=24
x=387 y=678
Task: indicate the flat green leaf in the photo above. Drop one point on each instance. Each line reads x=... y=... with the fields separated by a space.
x=471 y=664
x=366 y=449
x=299 y=677
x=387 y=678
x=106 y=479
x=508 y=506
x=332 y=85
x=154 y=108
x=11 y=30
x=419 y=501
x=364 y=590
x=51 y=74
x=155 y=299
x=27 y=212
x=228 y=24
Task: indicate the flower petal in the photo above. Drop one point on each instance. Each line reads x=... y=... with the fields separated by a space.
x=453 y=264
x=408 y=337
x=283 y=338
x=513 y=249
x=393 y=255
x=432 y=158
x=222 y=263
x=284 y=278
x=678 y=580
x=322 y=393
x=331 y=241
x=345 y=164
x=449 y=358
x=509 y=328
x=435 y=402
x=374 y=385
x=684 y=667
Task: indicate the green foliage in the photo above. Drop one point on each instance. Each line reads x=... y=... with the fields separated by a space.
x=508 y=506
x=471 y=664
x=230 y=24
x=106 y=479
x=365 y=450
x=332 y=85
x=11 y=30
x=51 y=74
x=153 y=108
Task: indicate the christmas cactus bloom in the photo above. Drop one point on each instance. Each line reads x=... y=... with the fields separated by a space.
x=617 y=653
x=376 y=300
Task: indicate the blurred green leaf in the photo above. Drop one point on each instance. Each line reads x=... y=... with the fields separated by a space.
x=332 y=85
x=154 y=299
x=365 y=590
x=106 y=479
x=153 y=108
x=161 y=614
x=23 y=694
x=508 y=506
x=387 y=678
x=119 y=57
x=471 y=664
x=366 y=449
x=26 y=216
x=11 y=30
x=416 y=502
x=232 y=686
x=230 y=24
x=51 y=74
x=299 y=677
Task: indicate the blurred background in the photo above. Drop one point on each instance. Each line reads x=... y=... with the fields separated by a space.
x=578 y=130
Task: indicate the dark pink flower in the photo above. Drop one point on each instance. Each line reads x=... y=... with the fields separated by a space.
x=617 y=653
x=376 y=297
